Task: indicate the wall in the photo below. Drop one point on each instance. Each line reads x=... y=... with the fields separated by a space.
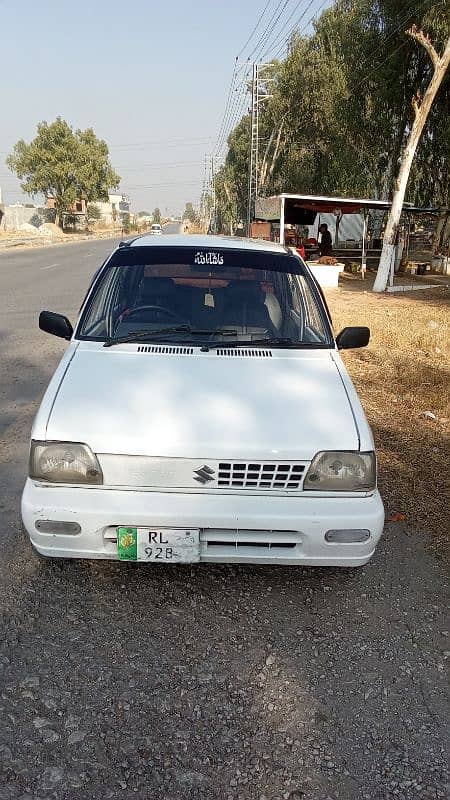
x=15 y=216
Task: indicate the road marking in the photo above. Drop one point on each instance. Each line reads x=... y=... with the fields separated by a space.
x=50 y=266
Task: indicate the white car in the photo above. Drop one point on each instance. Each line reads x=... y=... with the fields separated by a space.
x=202 y=412
x=156 y=230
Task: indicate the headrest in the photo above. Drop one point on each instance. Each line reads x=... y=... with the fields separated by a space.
x=245 y=291
x=154 y=287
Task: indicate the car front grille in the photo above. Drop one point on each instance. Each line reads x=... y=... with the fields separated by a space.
x=256 y=475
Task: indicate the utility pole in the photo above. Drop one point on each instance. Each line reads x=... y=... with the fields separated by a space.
x=213 y=195
x=254 y=136
x=203 y=201
x=253 y=172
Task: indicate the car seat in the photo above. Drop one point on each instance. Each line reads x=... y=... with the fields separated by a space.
x=244 y=306
x=274 y=309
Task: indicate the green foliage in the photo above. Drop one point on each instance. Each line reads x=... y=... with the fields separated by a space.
x=341 y=110
x=126 y=223
x=64 y=164
x=93 y=212
x=157 y=216
x=144 y=214
x=189 y=213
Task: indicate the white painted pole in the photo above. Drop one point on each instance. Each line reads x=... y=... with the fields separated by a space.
x=282 y=221
x=392 y=265
x=363 y=251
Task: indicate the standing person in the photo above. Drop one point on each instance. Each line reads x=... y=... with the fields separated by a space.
x=325 y=244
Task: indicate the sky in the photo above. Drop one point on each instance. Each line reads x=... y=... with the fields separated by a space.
x=151 y=78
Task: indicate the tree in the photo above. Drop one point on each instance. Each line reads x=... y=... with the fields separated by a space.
x=422 y=108
x=189 y=213
x=157 y=216
x=340 y=112
x=126 y=223
x=93 y=212
x=232 y=178
x=64 y=164
x=144 y=214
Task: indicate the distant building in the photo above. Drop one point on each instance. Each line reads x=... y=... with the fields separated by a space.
x=79 y=207
x=115 y=210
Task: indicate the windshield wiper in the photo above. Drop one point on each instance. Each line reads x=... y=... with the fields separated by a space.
x=148 y=335
x=279 y=341
x=276 y=342
x=142 y=334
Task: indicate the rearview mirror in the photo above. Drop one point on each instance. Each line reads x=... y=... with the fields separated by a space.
x=56 y=324
x=350 y=338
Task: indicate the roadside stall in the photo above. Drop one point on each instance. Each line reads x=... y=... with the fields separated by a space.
x=295 y=219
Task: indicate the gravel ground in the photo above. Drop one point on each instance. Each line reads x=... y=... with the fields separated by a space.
x=206 y=682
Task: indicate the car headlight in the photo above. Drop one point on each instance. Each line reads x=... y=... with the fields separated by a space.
x=64 y=462
x=339 y=471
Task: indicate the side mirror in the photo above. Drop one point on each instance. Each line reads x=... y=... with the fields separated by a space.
x=352 y=337
x=56 y=324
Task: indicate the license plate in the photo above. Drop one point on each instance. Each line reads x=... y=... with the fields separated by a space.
x=158 y=545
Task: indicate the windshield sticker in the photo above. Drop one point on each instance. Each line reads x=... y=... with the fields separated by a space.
x=208 y=258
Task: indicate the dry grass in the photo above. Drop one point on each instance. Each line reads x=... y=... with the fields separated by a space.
x=402 y=375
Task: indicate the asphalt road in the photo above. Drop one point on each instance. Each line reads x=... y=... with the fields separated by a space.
x=213 y=682
x=173 y=227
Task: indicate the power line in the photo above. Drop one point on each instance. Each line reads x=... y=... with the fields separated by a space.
x=412 y=11
x=377 y=66
x=128 y=186
x=232 y=105
x=159 y=164
x=227 y=105
x=269 y=32
x=236 y=109
x=167 y=144
x=227 y=114
x=254 y=29
x=305 y=27
x=279 y=35
x=282 y=35
x=170 y=139
x=283 y=3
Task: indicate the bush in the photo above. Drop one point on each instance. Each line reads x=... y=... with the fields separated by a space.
x=93 y=212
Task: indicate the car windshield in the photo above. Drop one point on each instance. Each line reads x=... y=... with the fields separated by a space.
x=197 y=297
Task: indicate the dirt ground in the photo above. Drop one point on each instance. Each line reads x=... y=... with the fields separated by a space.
x=403 y=380
x=222 y=681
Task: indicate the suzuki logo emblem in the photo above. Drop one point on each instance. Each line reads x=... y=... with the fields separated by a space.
x=204 y=474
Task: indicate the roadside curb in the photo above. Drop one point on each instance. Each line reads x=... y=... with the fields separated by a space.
x=41 y=241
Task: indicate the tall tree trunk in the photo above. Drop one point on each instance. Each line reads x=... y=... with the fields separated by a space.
x=440 y=232
x=263 y=170
x=421 y=110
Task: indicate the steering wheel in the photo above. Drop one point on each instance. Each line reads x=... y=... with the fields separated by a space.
x=166 y=311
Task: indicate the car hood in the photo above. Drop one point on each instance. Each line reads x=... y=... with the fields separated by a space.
x=288 y=405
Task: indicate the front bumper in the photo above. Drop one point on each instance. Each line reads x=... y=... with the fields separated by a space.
x=233 y=528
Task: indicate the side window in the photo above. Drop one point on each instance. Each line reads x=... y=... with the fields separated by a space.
x=305 y=304
x=314 y=321
x=96 y=323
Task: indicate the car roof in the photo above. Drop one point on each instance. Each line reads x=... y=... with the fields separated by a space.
x=210 y=242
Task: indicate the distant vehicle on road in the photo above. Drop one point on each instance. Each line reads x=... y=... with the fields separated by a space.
x=156 y=230
x=202 y=412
